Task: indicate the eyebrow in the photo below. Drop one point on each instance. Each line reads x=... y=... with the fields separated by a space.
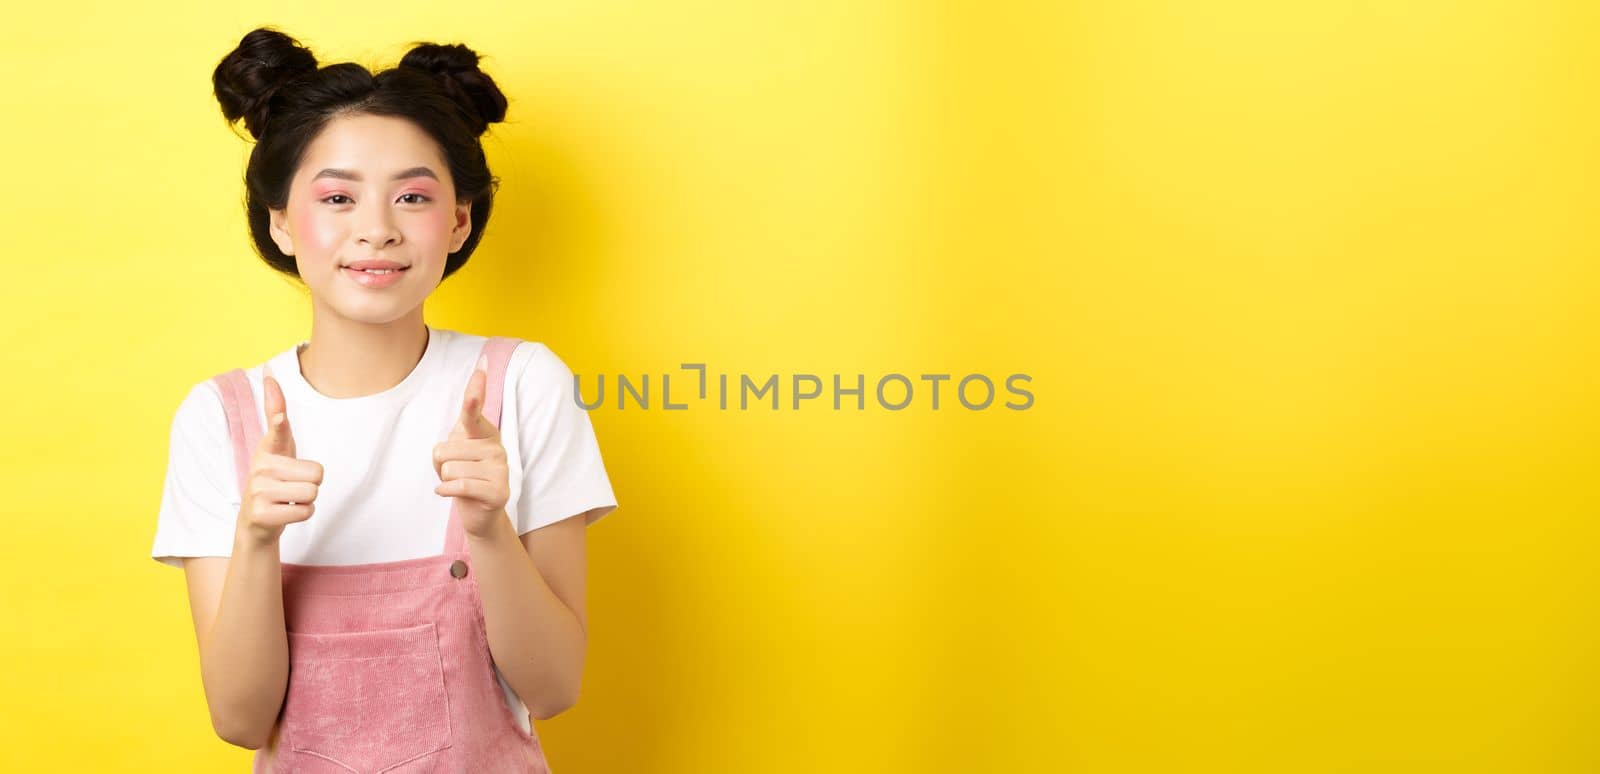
x=345 y=174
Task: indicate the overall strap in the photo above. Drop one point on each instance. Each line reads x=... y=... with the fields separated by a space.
x=498 y=349
x=244 y=424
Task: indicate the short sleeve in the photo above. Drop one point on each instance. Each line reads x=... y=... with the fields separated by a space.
x=200 y=499
x=561 y=470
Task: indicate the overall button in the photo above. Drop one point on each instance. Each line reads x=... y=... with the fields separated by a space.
x=458 y=568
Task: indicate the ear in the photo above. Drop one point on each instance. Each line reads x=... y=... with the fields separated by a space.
x=280 y=236
x=462 y=228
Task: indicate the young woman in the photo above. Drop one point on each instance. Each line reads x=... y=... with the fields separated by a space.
x=382 y=527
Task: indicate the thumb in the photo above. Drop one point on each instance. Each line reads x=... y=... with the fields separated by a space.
x=278 y=439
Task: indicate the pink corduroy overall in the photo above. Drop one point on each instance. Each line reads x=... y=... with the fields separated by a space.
x=389 y=663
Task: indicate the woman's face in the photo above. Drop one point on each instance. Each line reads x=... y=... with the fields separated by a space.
x=371 y=188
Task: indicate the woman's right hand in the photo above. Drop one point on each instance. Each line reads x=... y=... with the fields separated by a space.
x=281 y=489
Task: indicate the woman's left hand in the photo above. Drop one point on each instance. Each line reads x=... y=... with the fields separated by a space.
x=472 y=463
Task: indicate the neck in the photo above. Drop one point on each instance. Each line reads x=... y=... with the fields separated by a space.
x=347 y=358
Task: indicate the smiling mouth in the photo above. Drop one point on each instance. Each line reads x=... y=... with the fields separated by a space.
x=375 y=279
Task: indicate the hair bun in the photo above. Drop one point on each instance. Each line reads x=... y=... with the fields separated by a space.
x=247 y=78
x=456 y=68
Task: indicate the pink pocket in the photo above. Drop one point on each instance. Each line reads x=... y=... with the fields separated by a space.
x=367 y=701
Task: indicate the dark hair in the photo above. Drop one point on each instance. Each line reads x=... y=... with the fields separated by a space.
x=285 y=99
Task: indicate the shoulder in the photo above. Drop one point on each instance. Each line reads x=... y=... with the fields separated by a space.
x=539 y=372
x=535 y=375
x=202 y=411
x=534 y=360
x=204 y=399
x=200 y=407
x=200 y=428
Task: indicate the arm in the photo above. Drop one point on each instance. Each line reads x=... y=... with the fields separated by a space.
x=533 y=608
x=237 y=602
x=237 y=606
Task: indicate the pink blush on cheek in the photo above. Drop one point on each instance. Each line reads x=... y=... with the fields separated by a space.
x=311 y=233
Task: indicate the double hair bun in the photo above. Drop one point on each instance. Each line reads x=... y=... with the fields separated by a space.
x=268 y=62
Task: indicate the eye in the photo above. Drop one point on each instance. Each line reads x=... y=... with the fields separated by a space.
x=420 y=198
x=329 y=199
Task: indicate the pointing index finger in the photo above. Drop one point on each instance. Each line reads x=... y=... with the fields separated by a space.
x=472 y=418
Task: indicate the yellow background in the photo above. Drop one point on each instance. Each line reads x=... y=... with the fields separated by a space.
x=1307 y=292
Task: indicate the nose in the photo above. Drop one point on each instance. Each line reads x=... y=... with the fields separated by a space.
x=376 y=229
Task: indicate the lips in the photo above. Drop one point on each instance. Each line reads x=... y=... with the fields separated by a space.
x=370 y=279
x=374 y=264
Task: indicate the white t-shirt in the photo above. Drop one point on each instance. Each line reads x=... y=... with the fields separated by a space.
x=376 y=453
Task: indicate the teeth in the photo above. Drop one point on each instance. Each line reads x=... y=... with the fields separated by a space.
x=380 y=271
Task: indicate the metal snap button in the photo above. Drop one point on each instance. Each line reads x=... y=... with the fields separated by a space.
x=458 y=569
